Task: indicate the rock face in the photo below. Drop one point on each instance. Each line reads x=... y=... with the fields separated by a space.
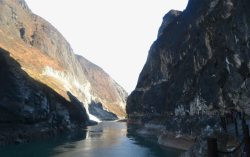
x=30 y=109
x=45 y=55
x=197 y=70
x=199 y=63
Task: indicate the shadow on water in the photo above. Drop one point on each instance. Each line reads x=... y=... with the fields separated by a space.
x=44 y=148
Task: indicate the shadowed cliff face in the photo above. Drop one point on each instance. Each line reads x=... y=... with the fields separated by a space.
x=199 y=63
x=47 y=57
x=30 y=109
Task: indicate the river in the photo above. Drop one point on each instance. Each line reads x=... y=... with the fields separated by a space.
x=107 y=139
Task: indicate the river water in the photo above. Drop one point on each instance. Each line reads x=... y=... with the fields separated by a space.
x=107 y=139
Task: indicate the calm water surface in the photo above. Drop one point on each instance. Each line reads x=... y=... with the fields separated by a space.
x=107 y=139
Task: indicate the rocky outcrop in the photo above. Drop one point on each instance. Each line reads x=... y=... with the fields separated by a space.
x=46 y=56
x=167 y=19
x=197 y=68
x=30 y=109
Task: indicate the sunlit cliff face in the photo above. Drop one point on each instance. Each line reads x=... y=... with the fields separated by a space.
x=47 y=57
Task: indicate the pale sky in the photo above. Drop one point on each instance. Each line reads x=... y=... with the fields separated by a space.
x=114 y=34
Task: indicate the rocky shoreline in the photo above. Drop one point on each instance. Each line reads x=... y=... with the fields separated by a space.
x=193 y=143
x=163 y=136
x=182 y=142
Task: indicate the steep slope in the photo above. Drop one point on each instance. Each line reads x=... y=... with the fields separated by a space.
x=197 y=70
x=105 y=91
x=30 y=109
x=47 y=57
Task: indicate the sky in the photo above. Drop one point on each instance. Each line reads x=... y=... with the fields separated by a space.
x=114 y=34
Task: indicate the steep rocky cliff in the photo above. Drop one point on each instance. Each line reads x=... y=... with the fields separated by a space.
x=199 y=63
x=197 y=70
x=45 y=55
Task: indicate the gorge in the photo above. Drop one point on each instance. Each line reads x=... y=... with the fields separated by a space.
x=193 y=87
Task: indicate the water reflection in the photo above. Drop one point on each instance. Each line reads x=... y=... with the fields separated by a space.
x=107 y=139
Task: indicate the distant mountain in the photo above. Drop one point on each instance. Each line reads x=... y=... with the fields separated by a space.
x=105 y=91
x=41 y=54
